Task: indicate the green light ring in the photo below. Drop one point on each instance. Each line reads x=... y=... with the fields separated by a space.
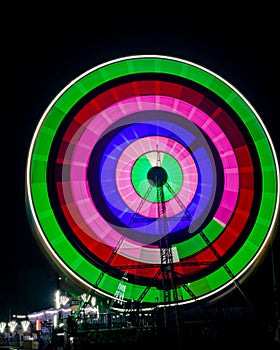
x=36 y=183
x=141 y=184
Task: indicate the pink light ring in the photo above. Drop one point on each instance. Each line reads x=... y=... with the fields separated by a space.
x=180 y=107
x=145 y=103
x=97 y=226
x=150 y=144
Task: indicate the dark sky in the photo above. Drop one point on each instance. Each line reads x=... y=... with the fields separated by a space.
x=46 y=50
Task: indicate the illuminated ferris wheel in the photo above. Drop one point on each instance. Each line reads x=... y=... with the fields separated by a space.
x=156 y=169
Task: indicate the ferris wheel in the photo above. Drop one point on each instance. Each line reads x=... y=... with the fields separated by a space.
x=155 y=169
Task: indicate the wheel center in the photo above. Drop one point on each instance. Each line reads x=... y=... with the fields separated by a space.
x=157 y=176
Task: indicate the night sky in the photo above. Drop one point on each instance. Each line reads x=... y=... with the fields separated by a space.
x=47 y=51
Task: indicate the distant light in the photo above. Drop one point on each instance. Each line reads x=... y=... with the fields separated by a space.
x=19 y=316
x=85 y=297
x=12 y=326
x=2 y=327
x=38 y=324
x=57 y=299
x=35 y=315
x=52 y=312
x=25 y=324
x=64 y=300
x=55 y=318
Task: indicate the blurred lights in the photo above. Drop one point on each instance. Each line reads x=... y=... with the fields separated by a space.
x=64 y=299
x=55 y=320
x=12 y=326
x=38 y=324
x=56 y=299
x=25 y=324
x=51 y=312
x=2 y=327
x=19 y=316
x=52 y=315
x=60 y=299
x=36 y=315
